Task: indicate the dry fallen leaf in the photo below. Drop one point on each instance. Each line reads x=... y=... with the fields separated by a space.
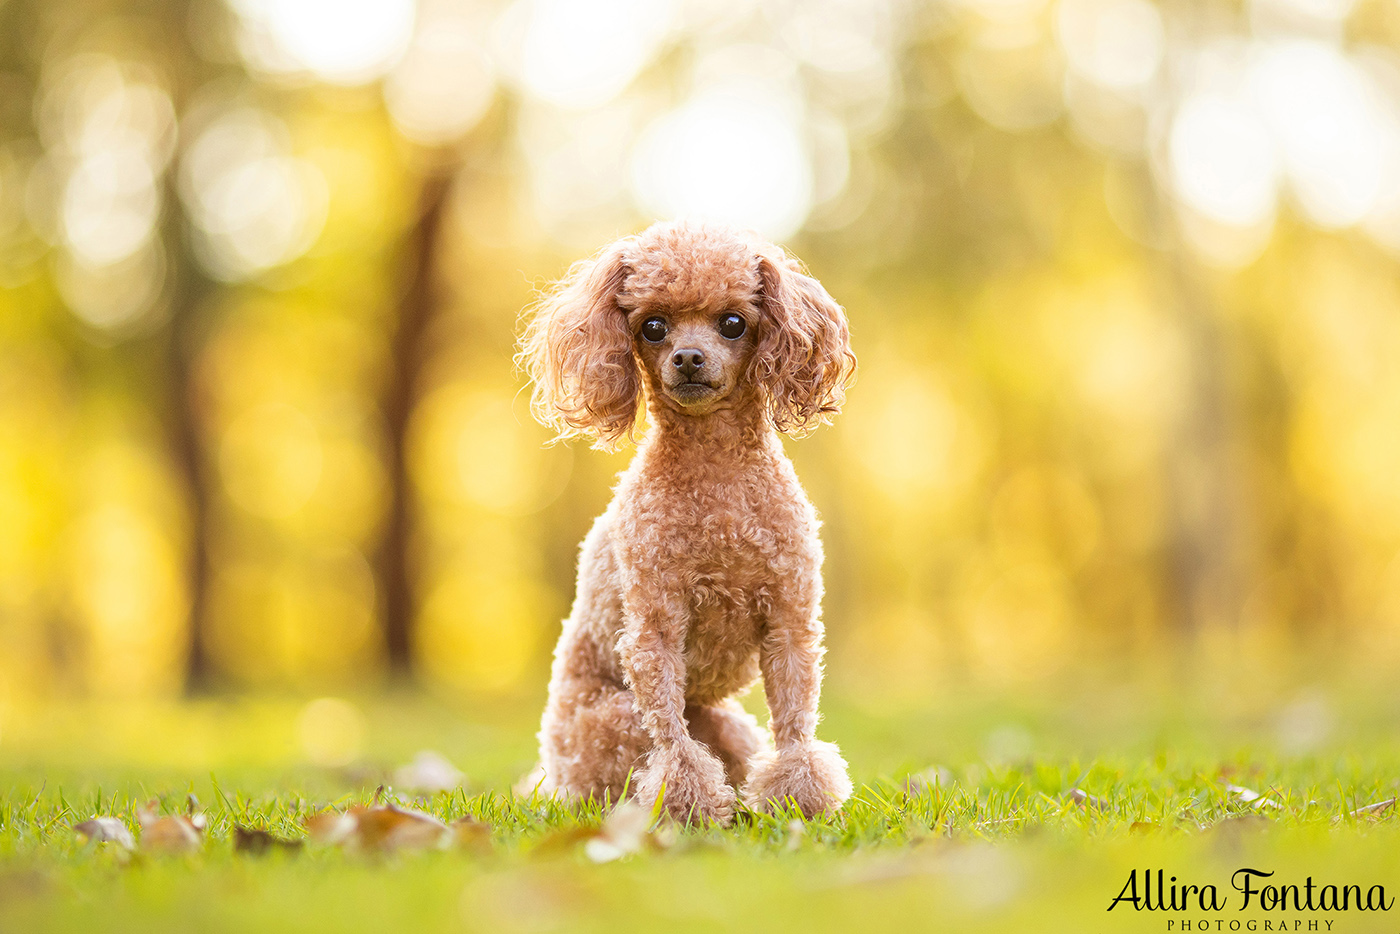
x=106 y=830
x=331 y=828
x=393 y=828
x=559 y=842
x=257 y=842
x=175 y=833
x=664 y=835
x=797 y=832
x=428 y=773
x=1251 y=797
x=1379 y=807
x=1143 y=826
x=1080 y=796
x=471 y=834
x=380 y=829
x=623 y=832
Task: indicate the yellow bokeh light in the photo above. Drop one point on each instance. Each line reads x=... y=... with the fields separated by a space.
x=1013 y=620
x=482 y=632
x=126 y=580
x=342 y=41
x=689 y=163
x=582 y=53
x=271 y=459
x=332 y=732
x=915 y=439
x=474 y=447
x=310 y=620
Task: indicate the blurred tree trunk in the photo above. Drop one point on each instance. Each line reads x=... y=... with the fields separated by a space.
x=1205 y=544
x=188 y=447
x=415 y=314
x=189 y=290
x=1204 y=492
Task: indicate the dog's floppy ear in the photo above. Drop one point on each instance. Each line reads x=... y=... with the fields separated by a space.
x=803 y=360
x=577 y=351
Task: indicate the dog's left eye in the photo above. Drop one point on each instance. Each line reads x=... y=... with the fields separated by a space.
x=654 y=330
x=732 y=327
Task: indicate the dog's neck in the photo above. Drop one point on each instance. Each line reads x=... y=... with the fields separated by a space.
x=742 y=425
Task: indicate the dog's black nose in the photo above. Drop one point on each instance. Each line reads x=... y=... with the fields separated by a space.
x=688 y=361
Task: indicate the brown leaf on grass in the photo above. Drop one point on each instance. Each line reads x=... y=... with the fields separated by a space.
x=176 y=833
x=663 y=836
x=1143 y=826
x=468 y=833
x=623 y=833
x=1252 y=797
x=106 y=830
x=1380 y=807
x=1080 y=796
x=384 y=829
x=331 y=828
x=391 y=828
x=170 y=835
x=258 y=842
x=428 y=773
x=559 y=842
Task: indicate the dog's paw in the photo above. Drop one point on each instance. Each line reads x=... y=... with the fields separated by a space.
x=692 y=782
x=812 y=775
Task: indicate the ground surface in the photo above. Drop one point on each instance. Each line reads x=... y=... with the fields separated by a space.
x=1030 y=814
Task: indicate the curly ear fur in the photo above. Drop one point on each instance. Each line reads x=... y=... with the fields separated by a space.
x=803 y=359
x=577 y=351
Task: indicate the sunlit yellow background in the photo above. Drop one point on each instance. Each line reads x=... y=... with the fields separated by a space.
x=1122 y=278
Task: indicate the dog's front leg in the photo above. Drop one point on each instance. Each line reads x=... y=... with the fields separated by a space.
x=652 y=649
x=801 y=769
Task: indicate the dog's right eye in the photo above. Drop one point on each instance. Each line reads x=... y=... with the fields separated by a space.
x=654 y=329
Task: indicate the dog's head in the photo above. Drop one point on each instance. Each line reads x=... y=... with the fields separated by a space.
x=703 y=319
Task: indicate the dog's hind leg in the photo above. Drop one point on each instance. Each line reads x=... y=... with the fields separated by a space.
x=591 y=741
x=731 y=732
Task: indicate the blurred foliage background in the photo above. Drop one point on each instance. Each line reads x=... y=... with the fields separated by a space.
x=1122 y=277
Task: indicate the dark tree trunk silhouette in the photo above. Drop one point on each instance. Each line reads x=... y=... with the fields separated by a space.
x=188 y=449
x=1204 y=489
x=416 y=308
x=1205 y=537
x=188 y=290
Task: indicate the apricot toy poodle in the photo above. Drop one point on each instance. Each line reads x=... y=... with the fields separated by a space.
x=705 y=570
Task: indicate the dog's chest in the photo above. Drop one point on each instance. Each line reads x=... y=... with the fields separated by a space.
x=733 y=560
x=721 y=642
x=727 y=527
x=727 y=540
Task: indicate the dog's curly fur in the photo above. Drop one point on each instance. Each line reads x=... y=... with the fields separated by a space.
x=705 y=570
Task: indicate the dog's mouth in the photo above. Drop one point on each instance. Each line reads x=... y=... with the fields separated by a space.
x=692 y=391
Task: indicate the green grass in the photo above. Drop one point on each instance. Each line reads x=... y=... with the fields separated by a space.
x=1001 y=843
